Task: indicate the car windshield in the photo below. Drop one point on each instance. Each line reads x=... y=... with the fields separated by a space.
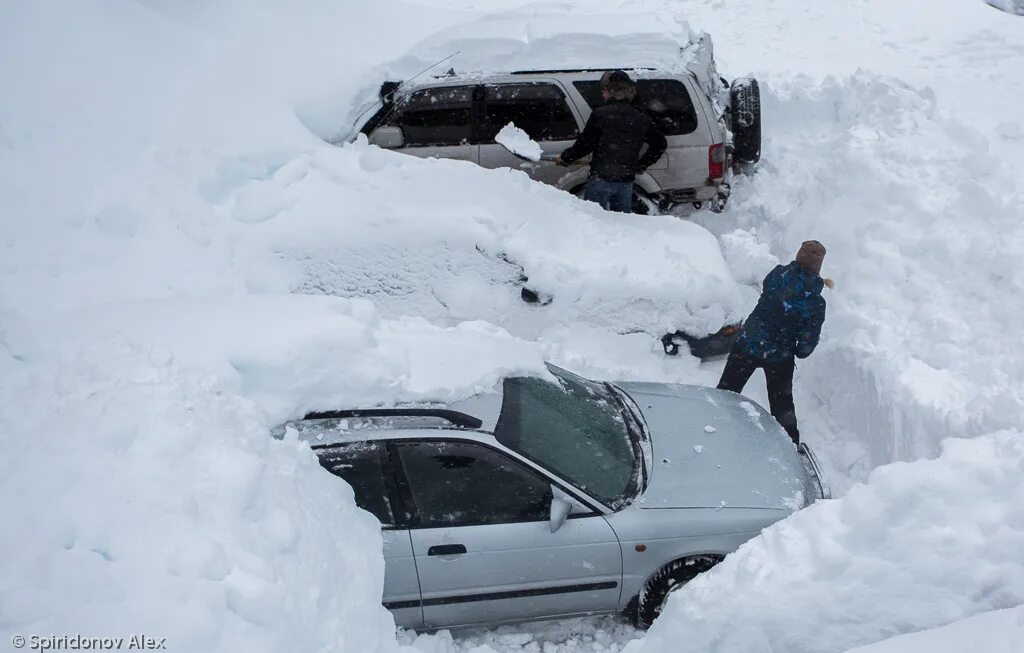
x=575 y=428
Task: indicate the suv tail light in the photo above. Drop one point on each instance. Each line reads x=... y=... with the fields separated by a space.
x=716 y=163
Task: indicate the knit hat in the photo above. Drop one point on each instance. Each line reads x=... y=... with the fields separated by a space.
x=619 y=76
x=810 y=256
x=618 y=85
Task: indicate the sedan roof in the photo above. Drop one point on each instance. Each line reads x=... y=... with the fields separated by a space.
x=334 y=431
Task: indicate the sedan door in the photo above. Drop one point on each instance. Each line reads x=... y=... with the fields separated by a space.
x=362 y=465
x=483 y=544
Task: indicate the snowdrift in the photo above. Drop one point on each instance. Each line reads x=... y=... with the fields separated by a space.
x=1001 y=631
x=543 y=39
x=919 y=545
x=921 y=214
x=143 y=491
x=457 y=242
x=144 y=496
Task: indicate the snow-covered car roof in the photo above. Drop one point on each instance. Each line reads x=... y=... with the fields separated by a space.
x=531 y=42
x=335 y=432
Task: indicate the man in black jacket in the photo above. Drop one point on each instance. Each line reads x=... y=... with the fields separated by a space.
x=615 y=134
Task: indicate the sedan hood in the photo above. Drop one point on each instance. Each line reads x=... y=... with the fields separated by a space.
x=715 y=449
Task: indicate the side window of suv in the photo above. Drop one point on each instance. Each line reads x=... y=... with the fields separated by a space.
x=464 y=484
x=540 y=109
x=436 y=116
x=362 y=467
x=667 y=101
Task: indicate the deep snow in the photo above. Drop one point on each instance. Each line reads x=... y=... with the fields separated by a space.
x=993 y=632
x=164 y=188
x=920 y=543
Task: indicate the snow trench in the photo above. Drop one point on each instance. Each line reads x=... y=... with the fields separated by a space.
x=915 y=347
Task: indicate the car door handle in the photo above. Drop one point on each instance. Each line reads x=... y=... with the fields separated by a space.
x=446 y=549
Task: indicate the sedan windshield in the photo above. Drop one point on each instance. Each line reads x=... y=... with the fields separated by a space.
x=575 y=428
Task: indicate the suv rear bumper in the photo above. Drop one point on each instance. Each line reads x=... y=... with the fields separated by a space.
x=685 y=195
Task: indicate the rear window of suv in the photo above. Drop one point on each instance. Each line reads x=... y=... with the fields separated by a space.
x=667 y=101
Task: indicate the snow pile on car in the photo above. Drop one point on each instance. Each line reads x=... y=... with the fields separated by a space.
x=143 y=496
x=542 y=39
x=262 y=206
x=457 y=251
x=143 y=492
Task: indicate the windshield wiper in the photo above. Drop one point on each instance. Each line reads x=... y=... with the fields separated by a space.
x=637 y=429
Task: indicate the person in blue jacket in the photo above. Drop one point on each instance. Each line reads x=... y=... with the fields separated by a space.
x=785 y=324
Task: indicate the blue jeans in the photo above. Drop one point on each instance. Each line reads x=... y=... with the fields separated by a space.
x=611 y=195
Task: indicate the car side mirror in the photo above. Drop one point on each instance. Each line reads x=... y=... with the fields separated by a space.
x=560 y=509
x=388 y=137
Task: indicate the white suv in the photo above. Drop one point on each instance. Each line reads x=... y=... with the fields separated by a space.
x=709 y=124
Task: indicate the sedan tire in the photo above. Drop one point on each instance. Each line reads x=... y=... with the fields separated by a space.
x=654 y=596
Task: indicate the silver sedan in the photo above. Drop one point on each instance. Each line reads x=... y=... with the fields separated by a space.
x=562 y=496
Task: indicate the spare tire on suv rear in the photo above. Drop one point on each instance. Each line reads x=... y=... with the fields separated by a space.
x=745 y=119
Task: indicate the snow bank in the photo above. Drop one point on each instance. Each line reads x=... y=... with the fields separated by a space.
x=1000 y=631
x=923 y=325
x=286 y=352
x=604 y=634
x=143 y=496
x=919 y=545
x=150 y=496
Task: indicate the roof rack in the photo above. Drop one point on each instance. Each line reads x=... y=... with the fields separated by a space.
x=577 y=70
x=453 y=416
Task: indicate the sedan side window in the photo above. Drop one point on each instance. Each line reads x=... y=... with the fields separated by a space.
x=539 y=109
x=463 y=484
x=436 y=116
x=361 y=465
